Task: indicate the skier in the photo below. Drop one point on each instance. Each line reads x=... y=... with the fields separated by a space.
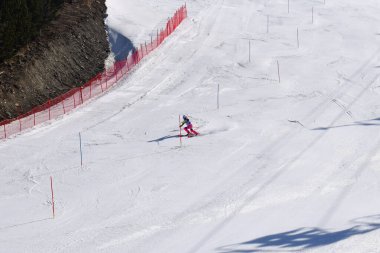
x=189 y=127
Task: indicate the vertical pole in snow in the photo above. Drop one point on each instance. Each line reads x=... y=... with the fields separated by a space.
x=5 y=132
x=116 y=69
x=157 y=39
x=217 y=98
x=312 y=15
x=278 y=72
x=169 y=25
x=298 y=40
x=80 y=149
x=180 y=130
x=288 y=5
x=267 y=23
x=52 y=196
x=249 y=43
x=81 y=93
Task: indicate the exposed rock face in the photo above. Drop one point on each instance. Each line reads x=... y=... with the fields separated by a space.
x=70 y=51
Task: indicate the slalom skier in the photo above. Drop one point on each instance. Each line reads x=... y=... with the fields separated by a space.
x=189 y=127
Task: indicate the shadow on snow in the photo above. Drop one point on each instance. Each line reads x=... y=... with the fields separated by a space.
x=357 y=123
x=166 y=137
x=121 y=46
x=303 y=238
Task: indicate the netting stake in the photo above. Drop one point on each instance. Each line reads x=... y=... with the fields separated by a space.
x=52 y=196
x=49 y=109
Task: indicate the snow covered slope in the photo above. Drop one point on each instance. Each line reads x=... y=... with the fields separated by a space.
x=281 y=166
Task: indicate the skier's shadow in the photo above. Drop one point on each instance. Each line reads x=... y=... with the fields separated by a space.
x=166 y=137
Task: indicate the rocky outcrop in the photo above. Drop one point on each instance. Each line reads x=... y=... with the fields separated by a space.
x=69 y=51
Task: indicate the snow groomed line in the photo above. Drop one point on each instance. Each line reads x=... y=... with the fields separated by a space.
x=103 y=81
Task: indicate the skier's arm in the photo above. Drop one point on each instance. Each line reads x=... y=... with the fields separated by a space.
x=183 y=123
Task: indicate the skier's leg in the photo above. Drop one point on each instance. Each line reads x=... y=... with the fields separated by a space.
x=190 y=127
x=190 y=130
x=194 y=132
x=186 y=130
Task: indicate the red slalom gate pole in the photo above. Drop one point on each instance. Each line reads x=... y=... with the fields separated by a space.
x=52 y=195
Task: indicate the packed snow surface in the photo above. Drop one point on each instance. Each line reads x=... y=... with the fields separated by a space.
x=289 y=165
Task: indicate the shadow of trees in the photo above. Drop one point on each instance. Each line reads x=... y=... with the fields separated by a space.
x=121 y=46
x=303 y=238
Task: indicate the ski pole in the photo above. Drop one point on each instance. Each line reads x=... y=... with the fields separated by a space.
x=180 y=130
